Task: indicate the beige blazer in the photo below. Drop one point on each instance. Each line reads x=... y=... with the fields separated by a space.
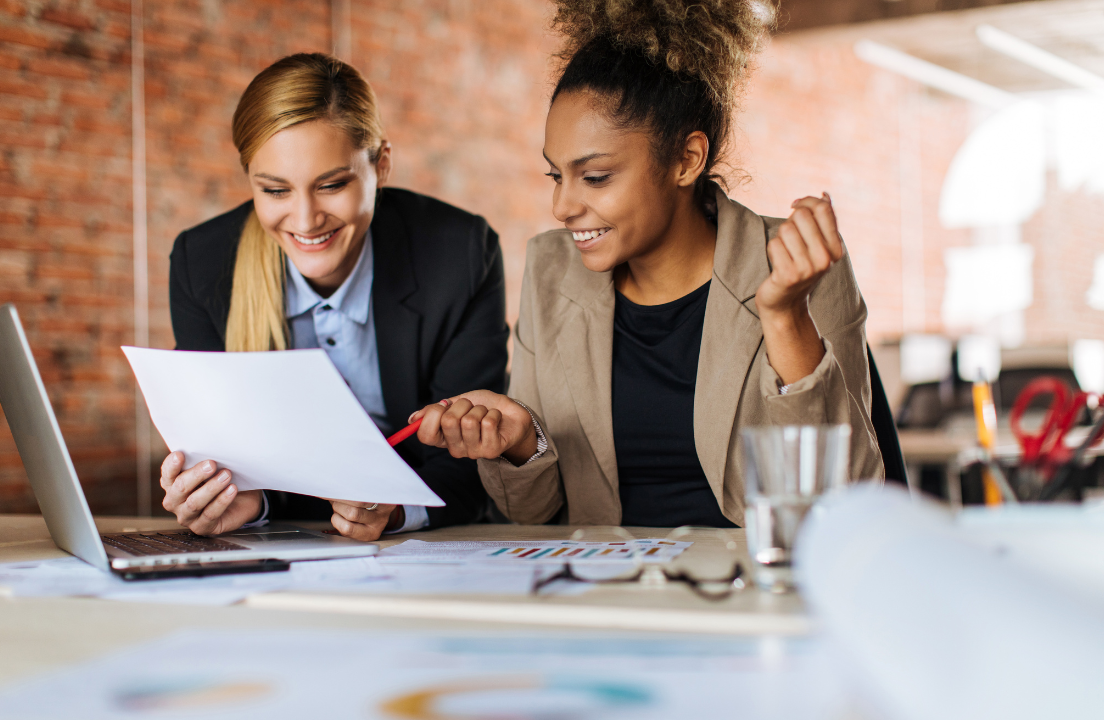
x=563 y=359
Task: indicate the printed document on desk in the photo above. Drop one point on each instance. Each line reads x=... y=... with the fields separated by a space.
x=277 y=420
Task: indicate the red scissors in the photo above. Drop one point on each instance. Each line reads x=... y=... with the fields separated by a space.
x=1046 y=447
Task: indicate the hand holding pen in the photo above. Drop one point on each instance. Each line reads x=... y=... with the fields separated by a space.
x=477 y=424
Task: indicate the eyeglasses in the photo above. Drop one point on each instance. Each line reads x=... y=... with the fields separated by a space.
x=612 y=555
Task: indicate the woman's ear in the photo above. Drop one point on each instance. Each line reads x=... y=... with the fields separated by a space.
x=383 y=163
x=694 y=156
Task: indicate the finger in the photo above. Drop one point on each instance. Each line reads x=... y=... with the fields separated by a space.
x=354 y=503
x=780 y=260
x=197 y=501
x=471 y=427
x=356 y=531
x=450 y=427
x=418 y=414
x=826 y=218
x=799 y=254
x=210 y=519
x=815 y=243
x=171 y=468
x=343 y=526
x=807 y=202
x=825 y=215
x=494 y=442
x=352 y=513
x=188 y=480
x=429 y=433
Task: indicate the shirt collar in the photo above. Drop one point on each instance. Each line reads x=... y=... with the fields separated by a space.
x=352 y=299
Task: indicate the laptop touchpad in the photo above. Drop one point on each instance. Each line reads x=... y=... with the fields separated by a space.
x=275 y=536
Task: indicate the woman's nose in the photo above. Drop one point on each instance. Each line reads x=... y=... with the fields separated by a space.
x=307 y=216
x=565 y=203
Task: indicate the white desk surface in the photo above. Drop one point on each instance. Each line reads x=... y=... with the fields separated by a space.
x=41 y=633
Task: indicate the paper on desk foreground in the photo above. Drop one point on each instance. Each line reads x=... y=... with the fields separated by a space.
x=73 y=577
x=278 y=420
x=283 y=672
x=960 y=619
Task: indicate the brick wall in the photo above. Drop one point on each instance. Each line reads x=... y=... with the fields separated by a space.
x=463 y=88
x=65 y=229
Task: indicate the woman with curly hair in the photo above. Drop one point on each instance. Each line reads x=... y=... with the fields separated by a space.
x=665 y=317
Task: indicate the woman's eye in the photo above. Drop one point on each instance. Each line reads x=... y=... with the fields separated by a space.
x=554 y=175
x=274 y=192
x=334 y=187
x=596 y=179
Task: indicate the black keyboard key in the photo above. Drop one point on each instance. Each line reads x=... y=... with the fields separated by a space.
x=157 y=543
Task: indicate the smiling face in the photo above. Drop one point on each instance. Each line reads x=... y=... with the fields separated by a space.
x=315 y=193
x=609 y=192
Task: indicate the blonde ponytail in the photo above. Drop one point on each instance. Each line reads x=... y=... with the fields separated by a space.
x=297 y=89
x=257 y=320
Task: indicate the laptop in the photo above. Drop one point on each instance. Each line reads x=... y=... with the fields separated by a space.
x=131 y=555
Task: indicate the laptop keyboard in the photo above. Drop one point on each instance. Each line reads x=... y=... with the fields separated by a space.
x=155 y=543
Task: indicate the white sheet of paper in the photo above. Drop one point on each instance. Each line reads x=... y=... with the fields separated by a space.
x=71 y=576
x=277 y=420
x=556 y=552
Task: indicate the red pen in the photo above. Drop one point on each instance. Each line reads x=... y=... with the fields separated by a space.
x=411 y=428
x=404 y=433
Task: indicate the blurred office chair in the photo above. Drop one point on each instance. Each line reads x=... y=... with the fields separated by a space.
x=885 y=429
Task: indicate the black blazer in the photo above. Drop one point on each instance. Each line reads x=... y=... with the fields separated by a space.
x=439 y=305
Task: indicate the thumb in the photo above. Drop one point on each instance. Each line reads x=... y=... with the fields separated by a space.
x=419 y=414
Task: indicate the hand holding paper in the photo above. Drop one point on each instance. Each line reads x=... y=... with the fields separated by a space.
x=279 y=420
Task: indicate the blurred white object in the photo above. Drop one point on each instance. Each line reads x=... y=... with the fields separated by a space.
x=979 y=358
x=998 y=176
x=938 y=624
x=1060 y=541
x=1039 y=58
x=1076 y=140
x=1095 y=296
x=986 y=281
x=933 y=75
x=925 y=358
x=1087 y=361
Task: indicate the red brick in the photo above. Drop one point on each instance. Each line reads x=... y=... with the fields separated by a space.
x=67 y=18
x=17 y=87
x=93 y=101
x=23 y=36
x=11 y=190
x=123 y=7
x=10 y=62
x=60 y=68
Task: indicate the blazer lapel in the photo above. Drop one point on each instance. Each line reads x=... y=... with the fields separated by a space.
x=585 y=344
x=731 y=335
x=397 y=324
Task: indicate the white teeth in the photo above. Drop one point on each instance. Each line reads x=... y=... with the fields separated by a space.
x=588 y=234
x=313 y=241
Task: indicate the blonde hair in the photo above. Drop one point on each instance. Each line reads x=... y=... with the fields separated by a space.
x=297 y=89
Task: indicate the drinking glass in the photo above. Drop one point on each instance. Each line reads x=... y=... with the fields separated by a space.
x=788 y=468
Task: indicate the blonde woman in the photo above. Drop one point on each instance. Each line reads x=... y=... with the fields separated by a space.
x=404 y=293
x=664 y=316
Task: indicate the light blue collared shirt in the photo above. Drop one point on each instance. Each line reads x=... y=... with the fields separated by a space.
x=343 y=326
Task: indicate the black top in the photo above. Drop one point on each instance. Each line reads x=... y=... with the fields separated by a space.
x=439 y=306
x=655 y=367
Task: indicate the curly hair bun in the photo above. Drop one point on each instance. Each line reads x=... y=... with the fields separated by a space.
x=709 y=40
